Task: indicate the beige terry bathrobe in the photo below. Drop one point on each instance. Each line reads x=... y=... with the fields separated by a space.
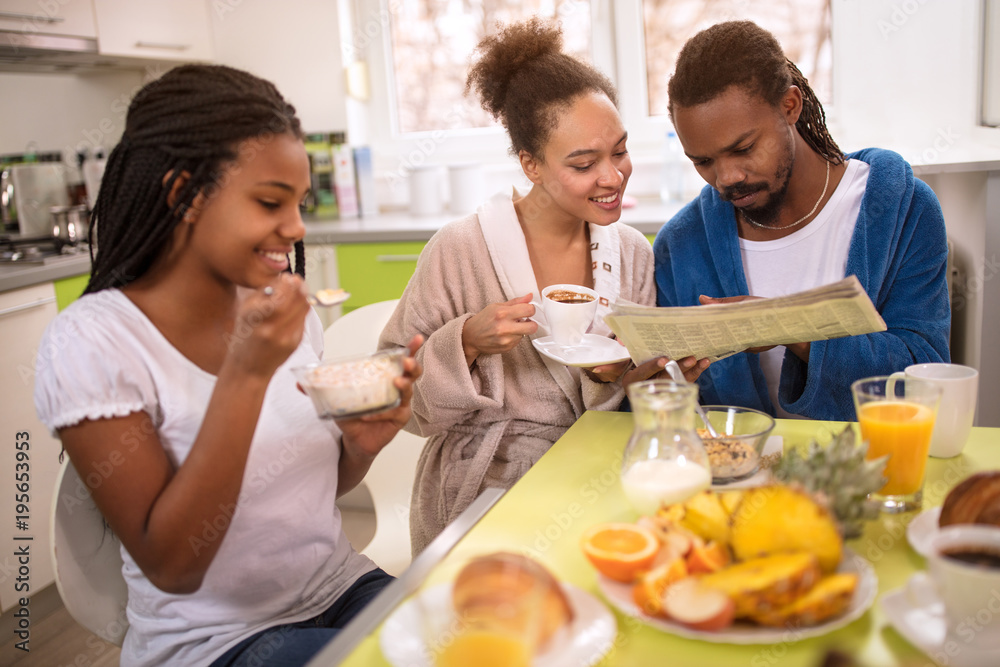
x=489 y=423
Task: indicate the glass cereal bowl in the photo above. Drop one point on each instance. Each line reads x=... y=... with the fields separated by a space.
x=353 y=386
x=736 y=453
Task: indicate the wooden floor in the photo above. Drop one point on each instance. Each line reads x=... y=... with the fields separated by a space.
x=56 y=640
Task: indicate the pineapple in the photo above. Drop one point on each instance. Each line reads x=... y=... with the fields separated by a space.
x=776 y=519
x=768 y=583
x=839 y=476
x=731 y=500
x=705 y=515
x=829 y=598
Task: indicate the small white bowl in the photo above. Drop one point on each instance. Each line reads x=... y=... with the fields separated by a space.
x=353 y=386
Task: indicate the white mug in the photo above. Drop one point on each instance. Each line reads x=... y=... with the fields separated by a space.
x=567 y=322
x=969 y=593
x=959 y=391
x=426 y=183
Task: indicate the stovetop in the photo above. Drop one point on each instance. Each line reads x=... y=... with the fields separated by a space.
x=36 y=250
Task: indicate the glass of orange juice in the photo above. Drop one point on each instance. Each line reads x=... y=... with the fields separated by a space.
x=896 y=416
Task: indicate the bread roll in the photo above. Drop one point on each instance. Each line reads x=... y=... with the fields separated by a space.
x=974 y=500
x=512 y=592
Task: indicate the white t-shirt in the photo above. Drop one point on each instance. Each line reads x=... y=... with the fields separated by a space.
x=812 y=256
x=284 y=558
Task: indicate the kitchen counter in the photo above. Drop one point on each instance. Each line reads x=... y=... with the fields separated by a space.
x=647 y=217
x=15 y=276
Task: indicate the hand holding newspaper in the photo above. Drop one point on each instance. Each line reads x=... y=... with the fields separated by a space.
x=719 y=330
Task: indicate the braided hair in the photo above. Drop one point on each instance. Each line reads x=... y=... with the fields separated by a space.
x=741 y=53
x=522 y=77
x=190 y=120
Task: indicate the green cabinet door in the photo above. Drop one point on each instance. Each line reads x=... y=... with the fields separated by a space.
x=69 y=290
x=374 y=272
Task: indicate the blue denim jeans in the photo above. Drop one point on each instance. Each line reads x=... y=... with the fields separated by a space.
x=294 y=644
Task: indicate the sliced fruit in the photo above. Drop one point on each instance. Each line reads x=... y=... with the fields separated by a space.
x=671 y=513
x=705 y=515
x=691 y=603
x=775 y=519
x=767 y=583
x=650 y=586
x=707 y=558
x=620 y=551
x=731 y=500
x=827 y=599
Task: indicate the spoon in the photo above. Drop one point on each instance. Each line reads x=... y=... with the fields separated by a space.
x=324 y=298
x=678 y=376
x=328 y=297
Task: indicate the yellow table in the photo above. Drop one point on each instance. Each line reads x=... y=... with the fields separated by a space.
x=575 y=485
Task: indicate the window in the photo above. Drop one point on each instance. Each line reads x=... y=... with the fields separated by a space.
x=801 y=26
x=433 y=40
x=419 y=51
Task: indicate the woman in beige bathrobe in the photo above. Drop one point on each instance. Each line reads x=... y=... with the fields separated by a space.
x=490 y=404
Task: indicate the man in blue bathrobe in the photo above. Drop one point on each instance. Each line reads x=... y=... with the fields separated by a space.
x=785 y=210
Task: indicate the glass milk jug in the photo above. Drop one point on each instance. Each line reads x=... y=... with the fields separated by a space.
x=665 y=461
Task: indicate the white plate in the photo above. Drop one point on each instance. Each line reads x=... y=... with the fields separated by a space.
x=620 y=596
x=587 y=639
x=593 y=351
x=922 y=529
x=917 y=613
x=764 y=476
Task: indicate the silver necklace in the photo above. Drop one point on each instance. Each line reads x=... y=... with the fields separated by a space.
x=800 y=220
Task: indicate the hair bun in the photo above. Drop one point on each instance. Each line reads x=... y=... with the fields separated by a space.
x=509 y=50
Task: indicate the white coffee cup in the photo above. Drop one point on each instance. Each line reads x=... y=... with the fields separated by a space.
x=969 y=593
x=959 y=391
x=567 y=322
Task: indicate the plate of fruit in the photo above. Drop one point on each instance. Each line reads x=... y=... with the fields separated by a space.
x=751 y=566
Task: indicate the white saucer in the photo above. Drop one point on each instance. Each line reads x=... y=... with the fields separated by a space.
x=593 y=351
x=922 y=529
x=917 y=613
x=588 y=638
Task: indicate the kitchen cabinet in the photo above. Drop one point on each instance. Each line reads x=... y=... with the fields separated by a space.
x=376 y=271
x=66 y=17
x=24 y=314
x=69 y=290
x=154 y=29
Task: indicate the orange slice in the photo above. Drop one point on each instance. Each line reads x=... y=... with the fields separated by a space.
x=620 y=551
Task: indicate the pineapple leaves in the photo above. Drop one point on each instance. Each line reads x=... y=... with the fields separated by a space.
x=839 y=476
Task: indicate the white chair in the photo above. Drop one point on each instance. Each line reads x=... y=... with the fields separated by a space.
x=87 y=559
x=391 y=476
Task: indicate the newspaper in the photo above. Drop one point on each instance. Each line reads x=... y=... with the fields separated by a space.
x=720 y=330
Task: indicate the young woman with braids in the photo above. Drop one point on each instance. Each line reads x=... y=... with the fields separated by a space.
x=491 y=404
x=785 y=210
x=222 y=479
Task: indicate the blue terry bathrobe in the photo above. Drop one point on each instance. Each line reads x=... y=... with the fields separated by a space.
x=899 y=253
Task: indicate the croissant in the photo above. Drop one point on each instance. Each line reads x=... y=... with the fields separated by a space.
x=490 y=586
x=974 y=500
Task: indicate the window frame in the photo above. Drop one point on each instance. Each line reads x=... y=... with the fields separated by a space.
x=618 y=50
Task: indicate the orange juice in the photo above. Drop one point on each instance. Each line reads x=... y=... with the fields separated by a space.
x=485 y=649
x=903 y=431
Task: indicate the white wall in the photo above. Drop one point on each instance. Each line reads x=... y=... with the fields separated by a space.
x=906 y=77
x=295 y=45
x=60 y=111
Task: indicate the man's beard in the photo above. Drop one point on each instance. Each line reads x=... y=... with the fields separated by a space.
x=766 y=213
